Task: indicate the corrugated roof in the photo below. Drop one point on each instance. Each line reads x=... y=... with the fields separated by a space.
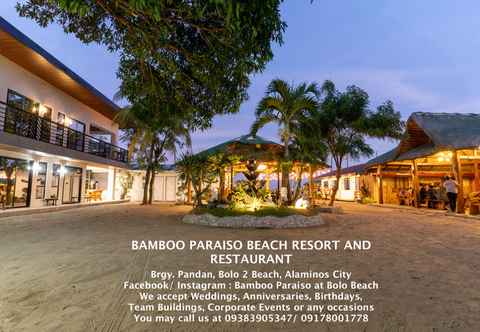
x=347 y=170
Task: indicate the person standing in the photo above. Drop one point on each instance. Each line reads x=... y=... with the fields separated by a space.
x=451 y=187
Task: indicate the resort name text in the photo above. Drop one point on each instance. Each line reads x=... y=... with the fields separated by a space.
x=248 y=251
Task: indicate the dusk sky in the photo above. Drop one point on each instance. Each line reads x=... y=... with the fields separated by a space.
x=422 y=55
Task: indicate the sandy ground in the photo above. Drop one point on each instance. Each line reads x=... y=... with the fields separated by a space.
x=63 y=271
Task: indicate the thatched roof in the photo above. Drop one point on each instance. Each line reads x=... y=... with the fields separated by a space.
x=428 y=133
x=247 y=146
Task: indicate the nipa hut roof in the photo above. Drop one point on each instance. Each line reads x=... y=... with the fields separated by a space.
x=428 y=133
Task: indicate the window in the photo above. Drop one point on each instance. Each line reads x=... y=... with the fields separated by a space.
x=19 y=101
x=41 y=181
x=325 y=184
x=346 y=184
x=75 y=137
x=15 y=182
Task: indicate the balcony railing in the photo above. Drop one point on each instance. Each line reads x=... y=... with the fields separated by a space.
x=19 y=122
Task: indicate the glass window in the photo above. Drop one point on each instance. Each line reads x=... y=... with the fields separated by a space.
x=346 y=184
x=19 y=101
x=41 y=180
x=15 y=182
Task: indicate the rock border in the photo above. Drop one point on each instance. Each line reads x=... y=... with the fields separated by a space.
x=249 y=221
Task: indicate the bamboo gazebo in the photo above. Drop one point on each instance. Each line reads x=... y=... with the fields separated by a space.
x=267 y=156
x=435 y=145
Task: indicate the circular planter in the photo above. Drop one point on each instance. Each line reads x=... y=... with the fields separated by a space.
x=248 y=221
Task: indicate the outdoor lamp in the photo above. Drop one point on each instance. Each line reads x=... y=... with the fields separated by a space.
x=62 y=170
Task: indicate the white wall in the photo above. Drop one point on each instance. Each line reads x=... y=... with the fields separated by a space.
x=163 y=191
x=342 y=193
x=20 y=80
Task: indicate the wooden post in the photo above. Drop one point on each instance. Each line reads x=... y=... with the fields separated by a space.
x=267 y=181
x=476 y=180
x=231 y=178
x=457 y=171
x=415 y=183
x=222 y=185
x=380 y=184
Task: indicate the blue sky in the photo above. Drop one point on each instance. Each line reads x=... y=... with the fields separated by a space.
x=422 y=55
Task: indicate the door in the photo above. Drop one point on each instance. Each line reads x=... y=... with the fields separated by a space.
x=170 y=188
x=159 y=188
x=72 y=185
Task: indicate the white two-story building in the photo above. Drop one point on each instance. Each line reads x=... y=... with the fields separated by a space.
x=57 y=134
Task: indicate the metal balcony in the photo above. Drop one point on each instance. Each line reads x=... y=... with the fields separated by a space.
x=26 y=124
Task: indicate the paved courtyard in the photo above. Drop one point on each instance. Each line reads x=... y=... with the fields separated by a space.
x=62 y=271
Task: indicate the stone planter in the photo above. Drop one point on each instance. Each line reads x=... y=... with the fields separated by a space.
x=248 y=221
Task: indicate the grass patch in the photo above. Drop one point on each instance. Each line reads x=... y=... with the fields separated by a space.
x=262 y=212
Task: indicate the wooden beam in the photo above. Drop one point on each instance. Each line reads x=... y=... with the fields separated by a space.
x=415 y=183
x=222 y=195
x=457 y=170
x=476 y=177
x=380 y=184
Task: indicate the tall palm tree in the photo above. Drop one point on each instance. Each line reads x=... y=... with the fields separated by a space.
x=285 y=104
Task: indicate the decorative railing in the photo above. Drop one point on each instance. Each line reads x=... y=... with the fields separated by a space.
x=26 y=124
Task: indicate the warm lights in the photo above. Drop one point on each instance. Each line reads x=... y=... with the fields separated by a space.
x=62 y=170
x=444 y=156
x=261 y=167
x=35 y=167
x=42 y=110
x=301 y=203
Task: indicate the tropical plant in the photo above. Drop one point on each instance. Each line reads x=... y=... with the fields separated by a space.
x=243 y=198
x=200 y=171
x=219 y=162
x=285 y=104
x=150 y=136
x=307 y=156
x=344 y=120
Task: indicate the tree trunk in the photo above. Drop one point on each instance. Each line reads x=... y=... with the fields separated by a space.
x=189 y=189
x=286 y=169
x=338 y=174
x=148 y=174
x=145 y=187
x=152 y=182
x=298 y=185
x=285 y=183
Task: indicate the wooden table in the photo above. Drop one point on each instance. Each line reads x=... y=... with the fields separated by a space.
x=51 y=201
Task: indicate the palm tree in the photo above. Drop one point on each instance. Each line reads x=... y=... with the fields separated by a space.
x=150 y=135
x=344 y=120
x=284 y=104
